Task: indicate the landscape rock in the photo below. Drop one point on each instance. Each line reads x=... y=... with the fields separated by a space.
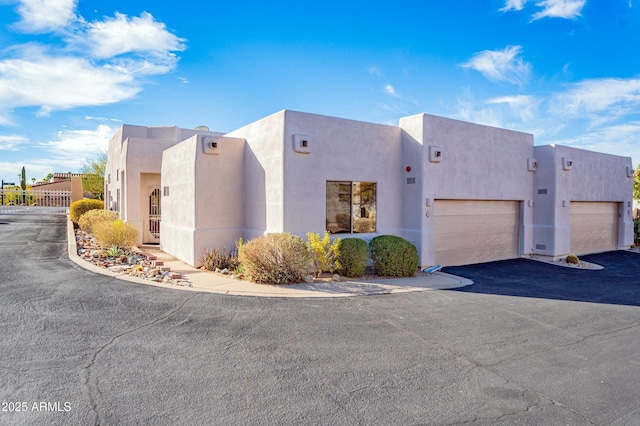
x=135 y=264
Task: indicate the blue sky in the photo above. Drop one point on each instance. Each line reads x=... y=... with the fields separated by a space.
x=73 y=71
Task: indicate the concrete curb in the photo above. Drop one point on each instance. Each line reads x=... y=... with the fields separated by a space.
x=208 y=282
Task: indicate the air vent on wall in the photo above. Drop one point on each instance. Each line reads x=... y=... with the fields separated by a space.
x=411 y=181
x=542 y=191
x=541 y=246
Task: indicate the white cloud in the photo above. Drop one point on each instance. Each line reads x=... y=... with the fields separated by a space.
x=67 y=151
x=12 y=142
x=513 y=5
x=73 y=147
x=122 y=34
x=567 y=9
x=600 y=100
x=468 y=109
x=621 y=139
x=394 y=108
x=61 y=82
x=374 y=70
x=103 y=62
x=501 y=65
x=390 y=90
x=523 y=106
x=39 y=16
x=88 y=117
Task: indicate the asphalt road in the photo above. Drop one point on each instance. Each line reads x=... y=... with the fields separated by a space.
x=79 y=348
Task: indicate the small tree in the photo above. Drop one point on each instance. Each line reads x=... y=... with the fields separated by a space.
x=93 y=174
x=23 y=185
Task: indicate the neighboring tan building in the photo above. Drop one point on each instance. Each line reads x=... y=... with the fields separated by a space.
x=461 y=192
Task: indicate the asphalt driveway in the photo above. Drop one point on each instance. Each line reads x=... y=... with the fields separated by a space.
x=618 y=283
x=80 y=348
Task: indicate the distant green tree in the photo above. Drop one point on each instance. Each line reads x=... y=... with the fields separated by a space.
x=48 y=177
x=23 y=184
x=93 y=171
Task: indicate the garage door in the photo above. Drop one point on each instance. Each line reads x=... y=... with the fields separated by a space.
x=594 y=227
x=472 y=231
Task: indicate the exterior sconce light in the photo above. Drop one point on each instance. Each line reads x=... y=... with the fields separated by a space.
x=435 y=154
x=532 y=164
x=210 y=145
x=302 y=144
x=566 y=163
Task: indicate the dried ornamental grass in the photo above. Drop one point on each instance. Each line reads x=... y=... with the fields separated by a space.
x=118 y=233
x=90 y=218
x=279 y=258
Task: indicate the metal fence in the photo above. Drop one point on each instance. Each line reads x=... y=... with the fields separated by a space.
x=13 y=200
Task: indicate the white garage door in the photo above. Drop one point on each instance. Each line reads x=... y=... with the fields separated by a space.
x=594 y=227
x=472 y=231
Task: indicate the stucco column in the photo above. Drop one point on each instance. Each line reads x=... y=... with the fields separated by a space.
x=76 y=188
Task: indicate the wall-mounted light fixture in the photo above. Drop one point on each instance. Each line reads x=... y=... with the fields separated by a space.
x=435 y=154
x=302 y=144
x=532 y=164
x=567 y=163
x=210 y=145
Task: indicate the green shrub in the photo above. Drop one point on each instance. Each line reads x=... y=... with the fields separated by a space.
x=220 y=259
x=80 y=207
x=90 y=218
x=636 y=230
x=572 y=259
x=115 y=234
x=393 y=256
x=324 y=253
x=353 y=255
x=278 y=258
x=114 y=251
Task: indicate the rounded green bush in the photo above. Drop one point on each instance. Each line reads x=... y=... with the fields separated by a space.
x=353 y=255
x=80 y=207
x=393 y=256
x=279 y=258
x=572 y=259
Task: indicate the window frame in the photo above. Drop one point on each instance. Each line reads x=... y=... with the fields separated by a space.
x=356 y=207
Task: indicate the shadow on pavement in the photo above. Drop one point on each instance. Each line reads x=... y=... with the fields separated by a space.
x=618 y=283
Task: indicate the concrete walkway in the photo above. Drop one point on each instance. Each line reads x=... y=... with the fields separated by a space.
x=204 y=281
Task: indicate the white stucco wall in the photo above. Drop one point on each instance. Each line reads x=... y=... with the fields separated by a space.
x=204 y=208
x=220 y=197
x=340 y=150
x=263 y=175
x=593 y=176
x=478 y=163
x=134 y=151
x=178 y=208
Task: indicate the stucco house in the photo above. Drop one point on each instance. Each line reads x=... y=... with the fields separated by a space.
x=461 y=192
